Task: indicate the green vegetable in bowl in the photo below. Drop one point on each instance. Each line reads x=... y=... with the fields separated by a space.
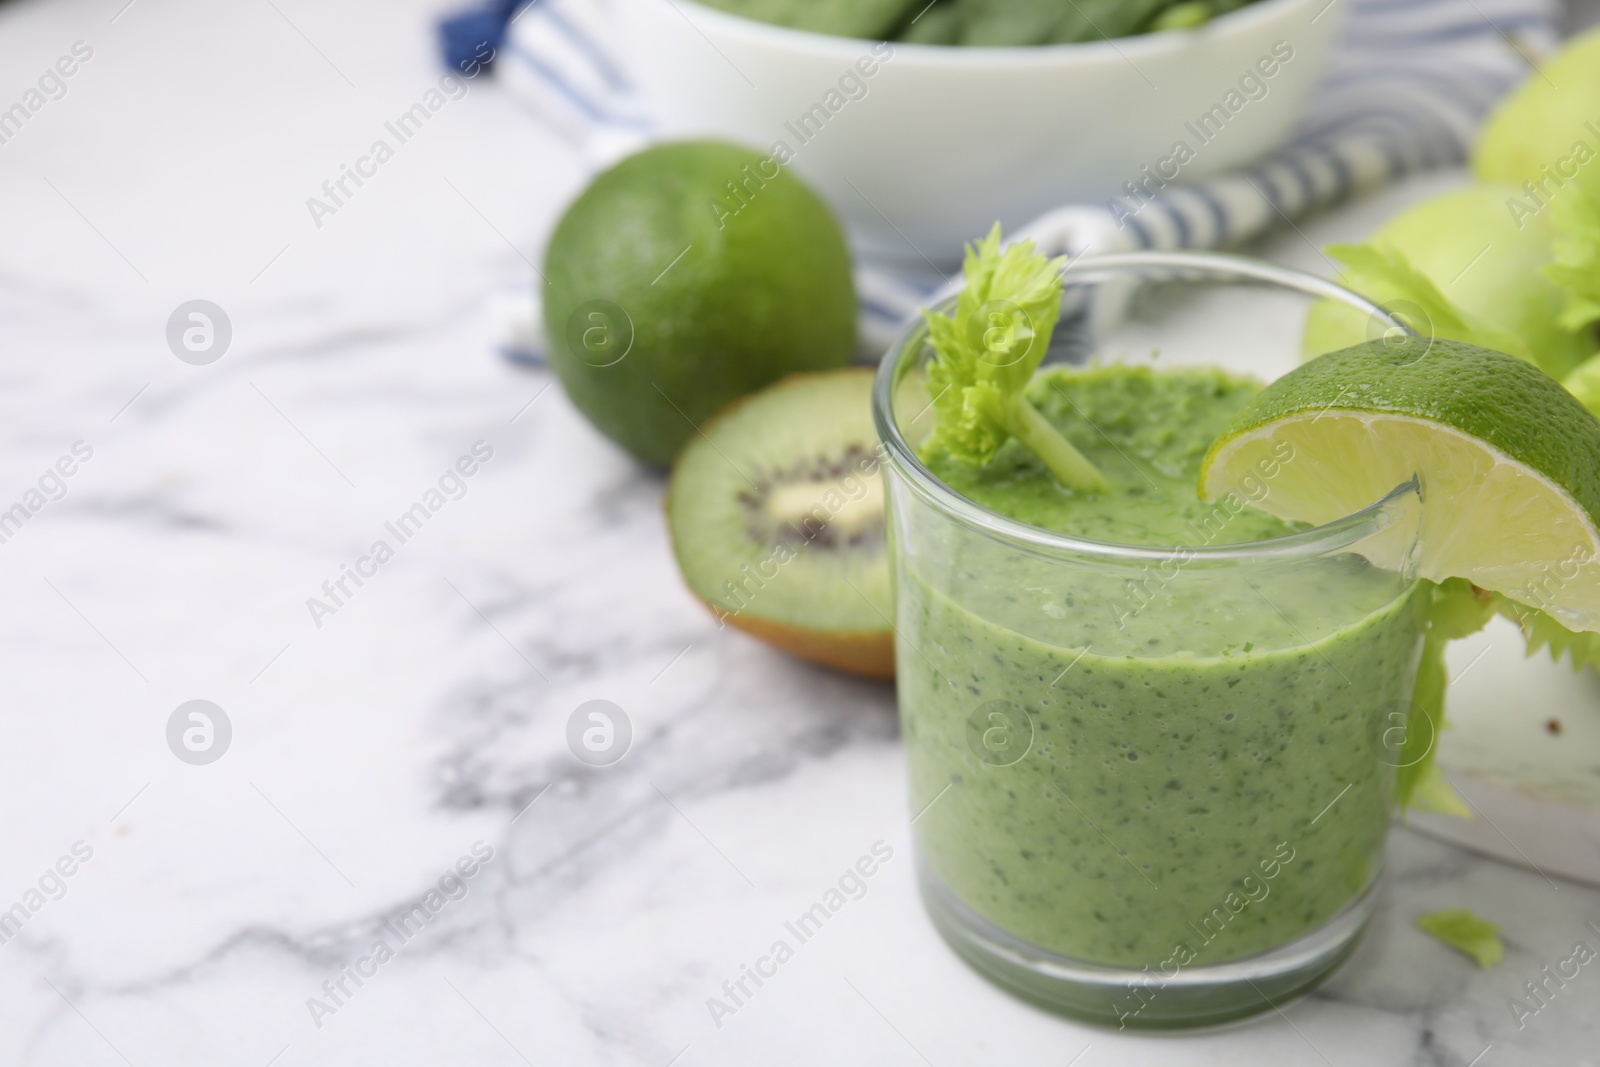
x=1186 y=16
x=1024 y=22
x=872 y=19
x=985 y=23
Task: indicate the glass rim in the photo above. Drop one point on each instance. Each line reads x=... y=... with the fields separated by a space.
x=1222 y=268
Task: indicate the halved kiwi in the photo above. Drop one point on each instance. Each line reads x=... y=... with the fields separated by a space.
x=776 y=514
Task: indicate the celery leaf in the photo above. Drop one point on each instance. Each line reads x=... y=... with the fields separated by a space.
x=1385 y=276
x=1542 y=631
x=1466 y=933
x=1584 y=382
x=986 y=353
x=1455 y=609
x=1576 y=269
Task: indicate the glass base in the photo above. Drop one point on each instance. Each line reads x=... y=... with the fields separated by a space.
x=1197 y=996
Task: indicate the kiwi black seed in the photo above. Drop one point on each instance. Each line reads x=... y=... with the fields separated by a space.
x=776 y=513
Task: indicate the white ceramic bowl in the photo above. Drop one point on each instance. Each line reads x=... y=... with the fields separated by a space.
x=937 y=143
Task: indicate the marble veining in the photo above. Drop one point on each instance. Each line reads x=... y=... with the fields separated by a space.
x=428 y=714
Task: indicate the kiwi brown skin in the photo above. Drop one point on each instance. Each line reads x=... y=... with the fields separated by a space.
x=862 y=653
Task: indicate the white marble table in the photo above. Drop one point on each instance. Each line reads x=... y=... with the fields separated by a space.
x=426 y=713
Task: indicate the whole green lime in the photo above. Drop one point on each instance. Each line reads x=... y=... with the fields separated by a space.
x=685 y=277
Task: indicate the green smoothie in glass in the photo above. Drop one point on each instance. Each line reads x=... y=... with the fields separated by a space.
x=1143 y=739
x=1167 y=800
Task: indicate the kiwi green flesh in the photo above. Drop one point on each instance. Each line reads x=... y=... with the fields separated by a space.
x=776 y=514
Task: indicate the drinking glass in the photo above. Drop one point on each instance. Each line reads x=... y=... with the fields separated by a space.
x=1150 y=784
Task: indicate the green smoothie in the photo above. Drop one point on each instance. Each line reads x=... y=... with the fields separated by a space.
x=1157 y=765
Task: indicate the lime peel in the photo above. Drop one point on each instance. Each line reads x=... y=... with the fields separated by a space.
x=1509 y=463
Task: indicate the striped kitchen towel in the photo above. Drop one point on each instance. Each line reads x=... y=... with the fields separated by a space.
x=1405 y=90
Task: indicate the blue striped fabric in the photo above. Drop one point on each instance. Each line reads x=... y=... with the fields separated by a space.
x=1405 y=90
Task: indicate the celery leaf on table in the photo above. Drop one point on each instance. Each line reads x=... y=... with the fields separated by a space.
x=986 y=354
x=1466 y=933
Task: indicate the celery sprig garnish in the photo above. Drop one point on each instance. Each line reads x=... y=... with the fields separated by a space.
x=986 y=353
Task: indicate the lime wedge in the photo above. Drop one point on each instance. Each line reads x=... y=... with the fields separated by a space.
x=1508 y=462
